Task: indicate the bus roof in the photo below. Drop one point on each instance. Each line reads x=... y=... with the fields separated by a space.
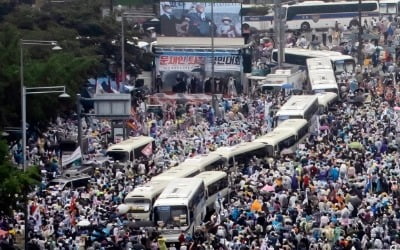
x=319 y=63
x=274 y=137
x=389 y=1
x=229 y=152
x=312 y=53
x=179 y=191
x=210 y=177
x=148 y=190
x=322 y=76
x=292 y=124
x=325 y=98
x=176 y=172
x=131 y=143
x=201 y=161
x=341 y=57
x=297 y=104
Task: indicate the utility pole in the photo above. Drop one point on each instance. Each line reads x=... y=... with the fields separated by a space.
x=213 y=87
x=122 y=49
x=360 y=33
x=79 y=114
x=279 y=31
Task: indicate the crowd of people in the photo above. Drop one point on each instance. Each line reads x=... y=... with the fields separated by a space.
x=338 y=190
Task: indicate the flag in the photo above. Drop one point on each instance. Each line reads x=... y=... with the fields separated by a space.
x=148 y=150
x=72 y=205
x=99 y=88
x=34 y=212
x=77 y=154
x=112 y=86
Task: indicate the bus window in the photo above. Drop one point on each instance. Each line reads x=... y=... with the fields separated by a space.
x=121 y=156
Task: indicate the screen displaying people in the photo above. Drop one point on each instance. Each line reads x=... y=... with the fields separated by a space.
x=196 y=19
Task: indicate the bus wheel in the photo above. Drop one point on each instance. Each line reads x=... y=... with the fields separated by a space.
x=305 y=26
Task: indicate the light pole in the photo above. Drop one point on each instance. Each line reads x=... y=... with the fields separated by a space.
x=34 y=91
x=360 y=34
x=212 y=50
x=123 y=16
x=23 y=43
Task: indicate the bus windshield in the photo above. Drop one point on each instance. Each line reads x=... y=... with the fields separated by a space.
x=344 y=66
x=171 y=216
x=138 y=205
x=121 y=156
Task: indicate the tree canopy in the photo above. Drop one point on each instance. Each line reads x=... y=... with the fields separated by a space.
x=14 y=182
x=85 y=37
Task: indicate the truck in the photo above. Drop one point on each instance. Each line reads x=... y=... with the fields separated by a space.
x=284 y=78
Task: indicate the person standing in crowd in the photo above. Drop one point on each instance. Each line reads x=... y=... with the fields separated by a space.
x=159 y=83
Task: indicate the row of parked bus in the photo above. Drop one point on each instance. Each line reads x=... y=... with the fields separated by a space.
x=176 y=200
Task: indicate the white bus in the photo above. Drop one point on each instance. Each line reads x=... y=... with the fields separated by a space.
x=179 y=171
x=139 y=202
x=325 y=100
x=389 y=8
x=205 y=162
x=321 y=75
x=129 y=149
x=298 y=127
x=314 y=15
x=217 y=186
x=257 y=16
x=298 y=107
x=240 y=153
x=180 y=207
x=318 y=14
x=276 y=141
x=340 y=63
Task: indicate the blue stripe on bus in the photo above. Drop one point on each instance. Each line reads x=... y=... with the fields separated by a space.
x=310 y=16
x=257 y=18
x=333 y=15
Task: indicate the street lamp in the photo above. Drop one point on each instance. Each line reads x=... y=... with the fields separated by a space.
x=34 y=91
x=30 y=91
x=23 y=43
x=123 y=16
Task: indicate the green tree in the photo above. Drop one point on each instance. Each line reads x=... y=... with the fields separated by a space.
x=14 y=183
x=86 y=38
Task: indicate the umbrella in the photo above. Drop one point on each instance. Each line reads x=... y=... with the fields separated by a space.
x=268 y=188
x=3 y=233
x=83 y=223
x=138 y=246
x=287 y=151
x=356 y=145
x=123 y=209
x=142 y=44
x=355 y=201
x=315 y=43
x=287 y=86
x=338 y=49
x=323 y=128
